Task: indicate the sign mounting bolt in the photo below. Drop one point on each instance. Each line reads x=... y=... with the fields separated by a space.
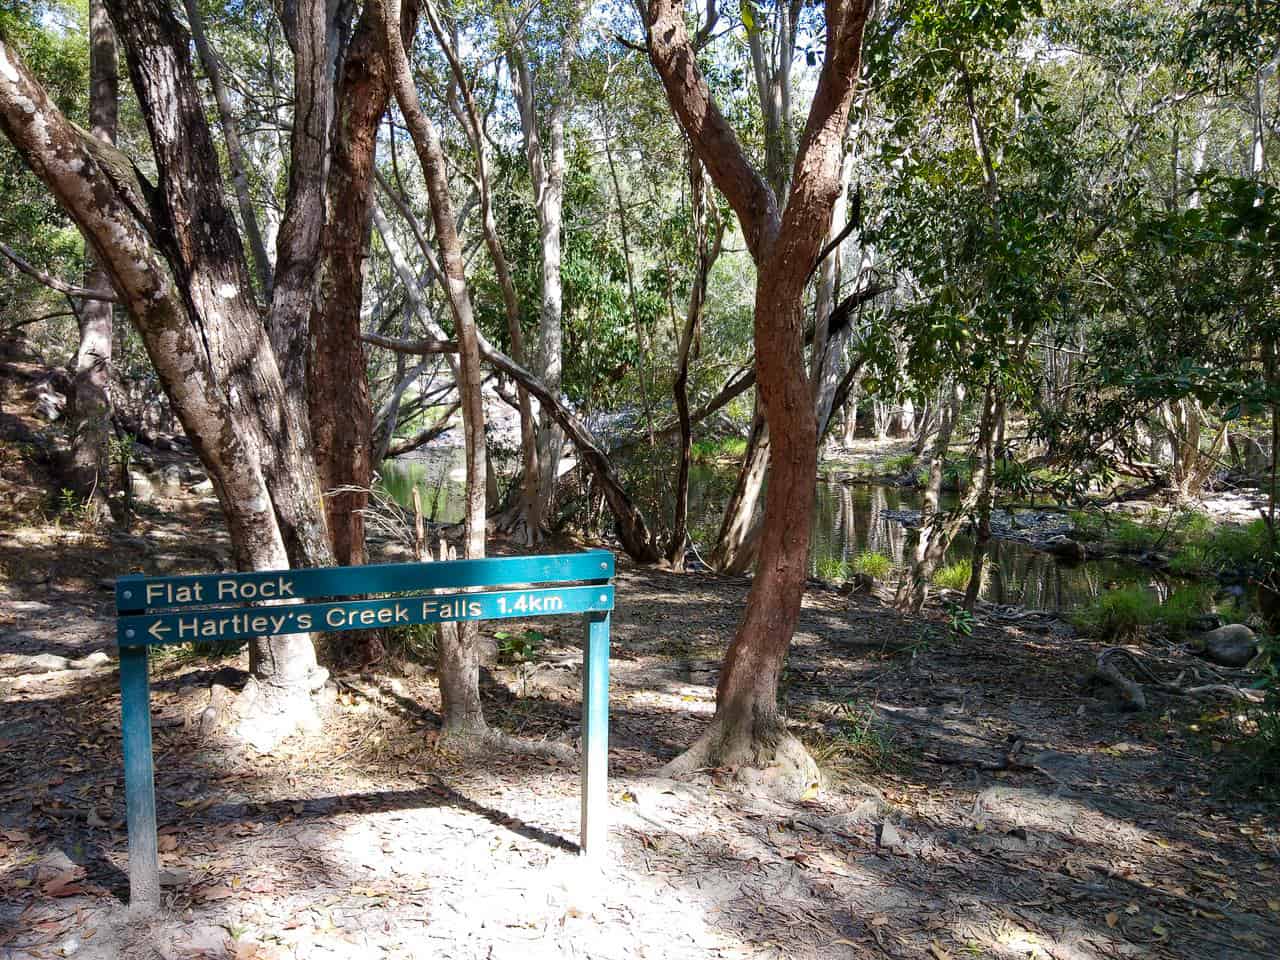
x=129 y=633
x=128 y=594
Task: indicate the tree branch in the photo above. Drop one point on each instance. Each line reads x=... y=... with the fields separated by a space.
x=52 y=282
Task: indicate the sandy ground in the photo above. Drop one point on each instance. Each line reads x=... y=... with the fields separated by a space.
x=980 y=802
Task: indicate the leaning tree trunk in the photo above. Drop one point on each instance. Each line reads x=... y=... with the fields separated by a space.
x=524 y=519
x=748 y=727
x=459 y=655
x=203 y=360
x=90 y=400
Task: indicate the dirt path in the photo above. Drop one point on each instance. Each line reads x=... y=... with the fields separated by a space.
x=981 y=804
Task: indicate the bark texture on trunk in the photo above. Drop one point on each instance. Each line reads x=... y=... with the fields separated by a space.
x=90 y=398
x=235 y=151
x=99 y=189
x=748 y=728
x=459 y=656
x=198 y=236
x=337 y=380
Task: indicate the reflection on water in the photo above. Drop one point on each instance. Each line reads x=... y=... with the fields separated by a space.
x=440 y=476
x=848 y=520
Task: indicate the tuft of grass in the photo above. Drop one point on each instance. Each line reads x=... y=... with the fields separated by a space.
x=727 y=448
x=1190 y=560
x=873 y=564
x=832 y=569
x=899 y=464
x=1134 y=537
x=1130 y=612
x=1088 y=525
x=856 y=743
x=954 y=576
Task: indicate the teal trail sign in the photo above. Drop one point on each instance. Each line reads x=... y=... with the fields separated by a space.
x=164 y=610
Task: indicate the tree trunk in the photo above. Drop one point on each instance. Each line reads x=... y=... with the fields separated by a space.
x=90 y=399
x=198 y=236
x=735 y=549
x=748 y=727
x=546 y=170
x=211 y=362
x=932 y=538
x=990 y=435
x=525 y=520
x=459 y=656
x=337 y=379
x=708 y=250
x=235 y=152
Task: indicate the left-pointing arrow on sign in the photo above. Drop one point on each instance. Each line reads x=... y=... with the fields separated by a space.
x=157 y=630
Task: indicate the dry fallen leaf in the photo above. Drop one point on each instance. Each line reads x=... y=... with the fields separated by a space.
x=1112 y=919
x=938 y=952
x=214 y=891
x=167 y=843
x=64 y=884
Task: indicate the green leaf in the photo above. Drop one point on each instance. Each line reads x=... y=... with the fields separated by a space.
x=748 y=16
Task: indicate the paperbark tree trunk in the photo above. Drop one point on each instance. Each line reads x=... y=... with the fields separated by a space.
x=748 y=728
x=180 y=273
x=544 y=151
x=990 y=434
x=459 y=655
x=90 y=398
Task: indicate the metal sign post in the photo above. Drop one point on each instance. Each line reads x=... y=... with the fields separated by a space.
x=153 y=611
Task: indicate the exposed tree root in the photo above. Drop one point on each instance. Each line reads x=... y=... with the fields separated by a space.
x=487 y=741
x=266 y=713
x=777 y=765
x=1132 y=691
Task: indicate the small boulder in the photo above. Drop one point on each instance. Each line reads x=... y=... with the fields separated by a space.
x=1231 y=646
x=1066 y=550
x=143 y=489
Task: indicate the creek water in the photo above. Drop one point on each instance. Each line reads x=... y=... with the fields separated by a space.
x=849 y=519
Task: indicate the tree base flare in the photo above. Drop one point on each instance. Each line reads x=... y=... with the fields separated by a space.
x=266 y=714
x=778 y=766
